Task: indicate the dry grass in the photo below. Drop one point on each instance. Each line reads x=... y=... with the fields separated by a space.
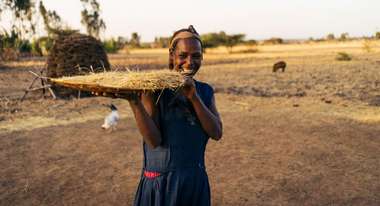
x=123 y=82
x=308 y=136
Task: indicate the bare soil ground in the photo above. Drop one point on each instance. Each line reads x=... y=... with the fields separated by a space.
x=309 y=136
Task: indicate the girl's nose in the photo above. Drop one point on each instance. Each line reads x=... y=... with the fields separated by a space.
x=189 y=61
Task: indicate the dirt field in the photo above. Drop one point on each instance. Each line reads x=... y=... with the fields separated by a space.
x=309 y=136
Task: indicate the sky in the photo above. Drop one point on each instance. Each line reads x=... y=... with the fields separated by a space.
x=258 y=19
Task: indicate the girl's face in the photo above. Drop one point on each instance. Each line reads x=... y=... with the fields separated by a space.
x=188 y=56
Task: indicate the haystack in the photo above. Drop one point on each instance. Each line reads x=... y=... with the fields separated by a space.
x=75 y=54
x=123 y=82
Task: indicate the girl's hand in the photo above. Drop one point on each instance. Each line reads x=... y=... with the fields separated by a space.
x=188 y=88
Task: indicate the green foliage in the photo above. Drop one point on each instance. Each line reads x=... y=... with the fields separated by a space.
x=110 y=46
x=233 y=40
x=274 y=40
x=52 y=20
x=251 y=42
x=343 y=56
x=211 y=40
x=91 y=18
x=330 y=37
x=9 y=40
x=46 y=44
x=24 y=46
x=377 y=35
x=25 y=16
x=13 y=41
x=22 y=13
x=113 y=45
x=36 y=49
x=344 y=36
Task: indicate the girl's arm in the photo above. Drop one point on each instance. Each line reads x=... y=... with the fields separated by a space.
x=146 y=115
x=209 y=117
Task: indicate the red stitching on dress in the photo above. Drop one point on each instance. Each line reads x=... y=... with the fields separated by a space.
x=151 y=175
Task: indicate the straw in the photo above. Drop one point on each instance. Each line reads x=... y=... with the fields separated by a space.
x=122 y=82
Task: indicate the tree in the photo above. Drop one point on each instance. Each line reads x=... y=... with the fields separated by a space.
x=25 y=16
x=214 y=39
x=377 y=35
x=161 y=42
x=274 y=40
x=22 y=13
x=233 y=40
x=330 y=37
x=344 y=36
x=135 y=40
x=251 y=42
x=91 y=18
x=52 y=20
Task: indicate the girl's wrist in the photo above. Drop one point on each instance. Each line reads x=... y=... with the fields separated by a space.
x=194 y=97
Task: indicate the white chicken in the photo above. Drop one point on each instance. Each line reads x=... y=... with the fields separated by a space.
x=110 y=121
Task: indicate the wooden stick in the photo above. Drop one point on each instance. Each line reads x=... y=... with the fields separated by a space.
x=52 y=93
x=104 y=68
x=38 y=75
x=43 y=84
x=30 y=86
x=38 y=88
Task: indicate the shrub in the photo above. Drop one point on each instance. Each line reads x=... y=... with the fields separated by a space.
x=211 y=40
x=330 y=37
x=246 y=51
x=343 y=56
x=25 y=46
x=377 y=35
x=344 y=37
x=36 y=49
x=367 y=45
x=274 y=40
x=10 y=54
x=110 y=46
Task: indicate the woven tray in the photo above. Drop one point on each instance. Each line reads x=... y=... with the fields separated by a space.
x=122 y=82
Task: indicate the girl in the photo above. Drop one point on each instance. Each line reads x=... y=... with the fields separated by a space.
x=176 y=130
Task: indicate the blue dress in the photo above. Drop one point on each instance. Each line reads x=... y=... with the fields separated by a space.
x=178 y=166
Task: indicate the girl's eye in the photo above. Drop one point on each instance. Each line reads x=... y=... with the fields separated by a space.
x=182 y=56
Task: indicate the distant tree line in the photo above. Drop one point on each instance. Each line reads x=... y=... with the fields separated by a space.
x=344 y=37
x=210 y=40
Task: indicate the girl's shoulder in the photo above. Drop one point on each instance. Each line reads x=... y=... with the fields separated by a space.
x=203 y=85
x=205 y=91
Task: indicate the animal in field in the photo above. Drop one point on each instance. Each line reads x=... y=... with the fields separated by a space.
x=110 y=121
x=279 y=65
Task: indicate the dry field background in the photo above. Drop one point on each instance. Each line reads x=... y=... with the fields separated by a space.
x=309 y=136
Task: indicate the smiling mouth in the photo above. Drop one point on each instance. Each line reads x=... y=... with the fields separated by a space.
x=187 y=72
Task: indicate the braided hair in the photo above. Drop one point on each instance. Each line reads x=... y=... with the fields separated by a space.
x=174 y=40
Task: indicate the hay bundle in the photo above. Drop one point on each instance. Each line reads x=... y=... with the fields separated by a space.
x=75 y=54
x=123 y=82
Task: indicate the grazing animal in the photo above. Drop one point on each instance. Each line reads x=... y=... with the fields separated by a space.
x=110 y=121
x=279 y=65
